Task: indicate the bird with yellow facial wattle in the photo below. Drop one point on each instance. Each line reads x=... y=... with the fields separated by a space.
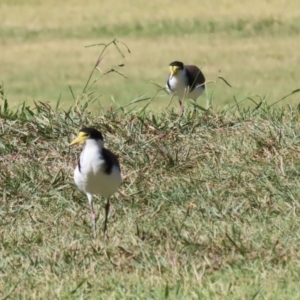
x=98 y=170
x=185 y=81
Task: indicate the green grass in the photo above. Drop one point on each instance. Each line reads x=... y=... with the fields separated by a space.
x=208 y=208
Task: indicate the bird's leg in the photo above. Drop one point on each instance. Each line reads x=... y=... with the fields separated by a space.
x=94 y=219
x=181 y=108
x=194 y=111
x=107 y=205
x=93 y=214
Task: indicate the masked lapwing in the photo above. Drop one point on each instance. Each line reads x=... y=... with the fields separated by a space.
x=98 y=170
x=185 y=81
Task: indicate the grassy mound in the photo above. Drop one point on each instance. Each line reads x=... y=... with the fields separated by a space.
x=209 y=206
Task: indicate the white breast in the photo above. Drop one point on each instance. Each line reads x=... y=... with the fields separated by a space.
x=179 y=86
x=91 y=178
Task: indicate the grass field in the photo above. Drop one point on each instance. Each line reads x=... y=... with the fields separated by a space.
x=253 y=44
x=209 y=205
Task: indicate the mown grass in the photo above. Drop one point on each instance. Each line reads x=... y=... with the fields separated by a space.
x=243 y=28
x=209 y=206
x=252 y=44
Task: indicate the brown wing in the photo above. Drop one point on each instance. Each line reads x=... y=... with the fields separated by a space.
x=110 y=160
x=195 y=76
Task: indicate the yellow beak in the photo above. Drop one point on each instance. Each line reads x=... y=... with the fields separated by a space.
x=81 y=138
x=173 y=71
